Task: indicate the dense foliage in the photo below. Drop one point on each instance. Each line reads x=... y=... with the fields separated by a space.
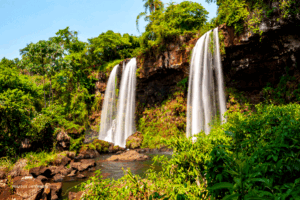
x=247 y=14
x=165 y=24
x=252 y=156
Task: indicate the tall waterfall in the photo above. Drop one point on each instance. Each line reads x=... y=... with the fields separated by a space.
x=109 y=108
x=125 y=124
x=117 y=123
x=206 y=97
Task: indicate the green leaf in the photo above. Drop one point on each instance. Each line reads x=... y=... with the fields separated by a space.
x=232 y=196
x=222 y=185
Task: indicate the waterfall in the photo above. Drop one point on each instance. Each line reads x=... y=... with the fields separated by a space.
x=108 y=114
x=125 y=125
x=117 y=122
x=206 y=96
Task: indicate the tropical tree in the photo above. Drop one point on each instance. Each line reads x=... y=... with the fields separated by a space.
x=43 y=58
x=151 y=5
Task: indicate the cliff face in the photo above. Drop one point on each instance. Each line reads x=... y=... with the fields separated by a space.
x=251 y=62
x=158 y=74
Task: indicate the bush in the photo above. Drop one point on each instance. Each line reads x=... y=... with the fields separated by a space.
x=263 y=160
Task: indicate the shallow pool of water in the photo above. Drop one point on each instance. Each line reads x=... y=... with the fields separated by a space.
x=112 y=169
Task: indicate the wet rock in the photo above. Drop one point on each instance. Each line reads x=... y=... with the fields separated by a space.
x=5 y=193
x=56 y=170
x=79 y=157
x=134 y=141
x=89 y=153
x=92 y=169
x=73 y=173
x=42 y=178
x=130 y=155
x=28 y=188
x=2 y=174
x=3 y=183
x=47 y=190
x=66 y=171
x=71 y=154
x=81 y=176
x=63 y=140
x=114 y=149
x=58 y=178
x=74 y=165
x=56 y=189
x=85 y=164
x=42 y=170
x=75 y=195
x=62 y=160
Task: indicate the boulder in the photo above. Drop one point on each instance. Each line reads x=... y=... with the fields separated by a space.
x=56 y=189
x=134 y=141
x=57 y=170
x=114 y=149
x=74 y=165
x=2 y=174
x=71 y=154
x=5 y=193
x=42 y=170
x=65 y=171
x=89 y=153
x=58 y=178
x=28 y=188
x=46 y=194
x=3 y=183
x=85 y=164
x=81 y=176
x=62 y=160
x=130 y=155
x=42 y=178
x=73 y=173
x=75 y=195
x=63 y=140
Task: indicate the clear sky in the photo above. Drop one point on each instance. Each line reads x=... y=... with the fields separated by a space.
x=25 y=21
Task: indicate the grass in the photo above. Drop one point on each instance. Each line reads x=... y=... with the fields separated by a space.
x=6 y=163
x=41 y=159
x=165 y=121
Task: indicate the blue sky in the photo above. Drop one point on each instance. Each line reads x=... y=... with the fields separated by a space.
x=25 y=21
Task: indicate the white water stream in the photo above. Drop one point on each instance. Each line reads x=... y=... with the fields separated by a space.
x=109 y=108
x=206 y=96
x=117 y=123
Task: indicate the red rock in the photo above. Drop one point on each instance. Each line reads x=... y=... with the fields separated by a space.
x=75 y=195
x=130 y=155
x=28 y=188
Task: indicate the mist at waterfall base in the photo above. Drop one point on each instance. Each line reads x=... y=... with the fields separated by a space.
x=206 y=96
x=117 y=117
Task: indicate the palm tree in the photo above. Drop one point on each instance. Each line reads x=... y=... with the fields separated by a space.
x=151 y=5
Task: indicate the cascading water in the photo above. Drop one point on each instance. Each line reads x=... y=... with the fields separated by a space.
x=109 y=109
x=125 y=124
x=117 y=122
x=205 y=100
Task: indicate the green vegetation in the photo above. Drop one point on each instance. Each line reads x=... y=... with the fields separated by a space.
x=166 y=121
x=252 y=156
x=248 y=14
x=41 y=158
x=166 y=24
x=287 y=90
